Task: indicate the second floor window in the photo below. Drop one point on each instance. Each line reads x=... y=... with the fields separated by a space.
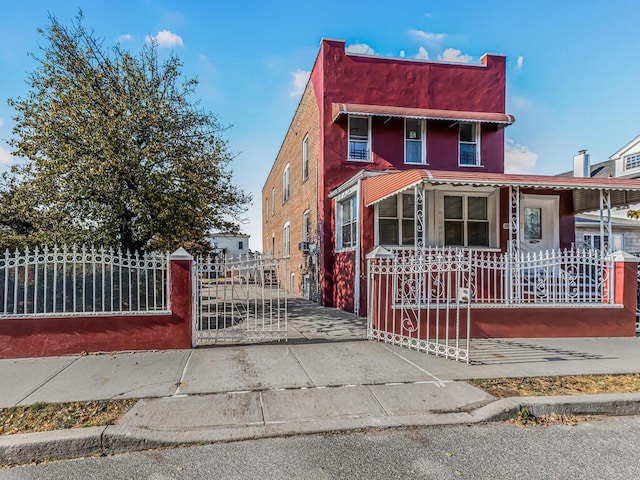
x=632 y=161
x=305 y=158
x=285 y=184
x=273 y=201
x=469 y=145
x=414 y=145
x=359 y=141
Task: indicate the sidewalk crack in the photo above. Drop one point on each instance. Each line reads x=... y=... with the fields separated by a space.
x=184 y=371
x=47 y=380
x=388 y=412
x=300 y=365
x=439 y=382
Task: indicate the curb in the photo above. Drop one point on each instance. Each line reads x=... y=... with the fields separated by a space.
x=96 y=441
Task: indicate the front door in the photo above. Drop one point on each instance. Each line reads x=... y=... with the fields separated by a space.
x=539 y=219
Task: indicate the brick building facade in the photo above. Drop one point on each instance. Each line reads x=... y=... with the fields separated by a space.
x=290 y=199
x=405 y=153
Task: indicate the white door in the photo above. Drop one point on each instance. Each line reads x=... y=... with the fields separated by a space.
x=539 y=223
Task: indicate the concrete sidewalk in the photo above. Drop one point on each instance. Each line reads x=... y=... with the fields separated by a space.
x=251 y=391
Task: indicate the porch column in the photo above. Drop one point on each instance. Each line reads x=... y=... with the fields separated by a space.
x=514 y=220
x=420 y=219
x=605 y=221
x=513 y=249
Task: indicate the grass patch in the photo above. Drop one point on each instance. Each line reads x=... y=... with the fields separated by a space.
x=525 y=418
x=41 y=417
x=562 y=385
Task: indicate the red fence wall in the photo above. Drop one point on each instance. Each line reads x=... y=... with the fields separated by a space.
x=521 y=321
x=46 y=337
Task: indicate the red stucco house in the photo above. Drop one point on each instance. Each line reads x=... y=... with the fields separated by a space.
x=409 y=154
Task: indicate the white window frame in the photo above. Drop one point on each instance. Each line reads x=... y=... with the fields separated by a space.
x=634 y=160
x=352 y=222
x=590 y=239
x=477 y=133
x=493 y=215
x=286 y=240
x=399 y=218
x=286 y=193
x=423 y=142
x=368 y=154
x=306 y=226
x=273 y=201
x=240 y=245
x=305 y=158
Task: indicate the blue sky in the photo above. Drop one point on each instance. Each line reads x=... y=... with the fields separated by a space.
x=572 y=66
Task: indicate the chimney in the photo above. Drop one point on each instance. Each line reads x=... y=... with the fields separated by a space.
x=581 y=167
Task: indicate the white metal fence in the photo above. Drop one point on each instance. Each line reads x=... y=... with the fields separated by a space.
x=82 y=280
x=424 y=298
x=240 y=299
x=422 y=302
x=553 y=277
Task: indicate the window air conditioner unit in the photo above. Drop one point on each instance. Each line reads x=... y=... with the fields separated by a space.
x=303 y=247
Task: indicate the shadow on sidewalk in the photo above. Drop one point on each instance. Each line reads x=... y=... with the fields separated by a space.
x=492 y=351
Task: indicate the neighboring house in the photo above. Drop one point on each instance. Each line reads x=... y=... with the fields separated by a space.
x=229 y=244
x=625 y=164
x=405 y=153
x=626 y=233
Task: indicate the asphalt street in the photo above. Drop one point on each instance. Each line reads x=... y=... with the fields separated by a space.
x=606 y=448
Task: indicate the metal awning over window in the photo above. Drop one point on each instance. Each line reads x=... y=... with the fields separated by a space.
x=585 y=189
x=339 y=109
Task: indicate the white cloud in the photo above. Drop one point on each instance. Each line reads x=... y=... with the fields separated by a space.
x=428 y=37
x=519 y=62
x=299 y=80
x=422 y=54
x=5 y=157
x=360 y=48
x=402 y=53
x=125 y=38
x=166 y=38
x=521 y=102
x=205 y=64
x=1 y=123
x=428 y=15
x=455 y=55
x=518 y=158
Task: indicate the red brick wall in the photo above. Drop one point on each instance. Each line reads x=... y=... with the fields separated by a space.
x=303 y=193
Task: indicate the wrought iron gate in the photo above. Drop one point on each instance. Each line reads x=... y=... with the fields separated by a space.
x=421 y=300
x=240 y=299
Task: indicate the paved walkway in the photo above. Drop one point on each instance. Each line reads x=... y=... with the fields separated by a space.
x=328 y=377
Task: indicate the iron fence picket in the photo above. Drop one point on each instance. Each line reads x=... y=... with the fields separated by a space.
x=71 y=281
x=238 y=300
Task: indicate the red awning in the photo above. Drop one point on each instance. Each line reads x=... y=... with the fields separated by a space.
x=422 y=113
x=378 y=187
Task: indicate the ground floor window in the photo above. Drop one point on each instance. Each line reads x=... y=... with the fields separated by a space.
x=346 y=222
x=466 y=221
x=396 y=220
x=286 y=248
x=594 y=240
